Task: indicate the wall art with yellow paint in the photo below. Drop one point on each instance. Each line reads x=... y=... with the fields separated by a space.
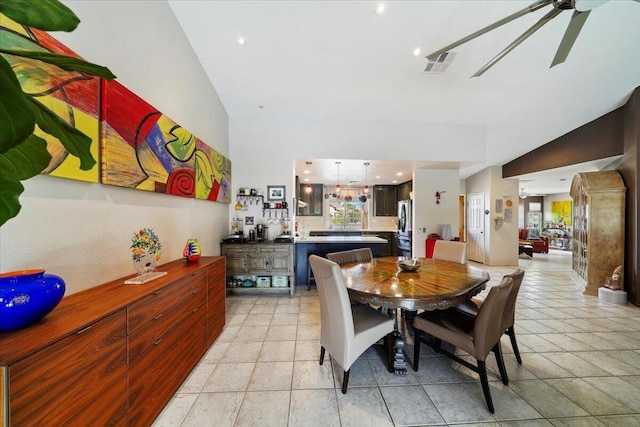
x=146 y=150
x=73 y=96
x=561 y=213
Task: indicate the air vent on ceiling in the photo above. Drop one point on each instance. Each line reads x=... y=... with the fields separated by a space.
x=441 y=63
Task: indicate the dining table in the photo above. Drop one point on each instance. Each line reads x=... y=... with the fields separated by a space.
x=435 y=285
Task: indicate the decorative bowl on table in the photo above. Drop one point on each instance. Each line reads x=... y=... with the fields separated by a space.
x=409 y=265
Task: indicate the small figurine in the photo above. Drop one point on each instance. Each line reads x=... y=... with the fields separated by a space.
x=614 y=281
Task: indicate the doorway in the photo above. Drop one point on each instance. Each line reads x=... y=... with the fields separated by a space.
x=475 y=225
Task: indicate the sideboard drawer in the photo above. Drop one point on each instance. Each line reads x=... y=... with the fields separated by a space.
x=153 y=305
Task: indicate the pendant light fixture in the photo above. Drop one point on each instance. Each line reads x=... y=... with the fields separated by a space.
x=338 y=179
x=366 y=181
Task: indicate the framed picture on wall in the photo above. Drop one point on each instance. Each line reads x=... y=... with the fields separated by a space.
x=276 y=193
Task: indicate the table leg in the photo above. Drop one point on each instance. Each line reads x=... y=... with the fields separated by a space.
x=399 y=362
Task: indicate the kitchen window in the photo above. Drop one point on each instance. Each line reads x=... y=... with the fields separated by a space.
x=343 y=214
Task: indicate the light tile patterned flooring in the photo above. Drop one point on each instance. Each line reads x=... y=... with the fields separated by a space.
x=581 y=367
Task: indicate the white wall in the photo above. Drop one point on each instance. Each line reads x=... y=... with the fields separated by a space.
x=429 y=215
x=83 y=231
x=500 y=246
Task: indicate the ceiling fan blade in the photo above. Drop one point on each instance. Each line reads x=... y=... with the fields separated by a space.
x=535 y=27
x=570 y=35
x=531 y=8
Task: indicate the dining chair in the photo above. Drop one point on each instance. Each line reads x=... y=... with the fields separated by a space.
x=477 y=336
x=450 y=250
x=342 y=257
x=347 y=331
x=508 y=315
x=352 y=255
x=363 y=254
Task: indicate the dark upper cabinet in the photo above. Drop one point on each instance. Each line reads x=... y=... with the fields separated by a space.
x=404 y=190
x=313 y=200
x=385 y=200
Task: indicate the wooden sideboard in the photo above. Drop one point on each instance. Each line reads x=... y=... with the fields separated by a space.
x=114 y=354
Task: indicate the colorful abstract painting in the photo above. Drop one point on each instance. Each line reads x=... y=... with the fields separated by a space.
x=561 y=212
x=142 y=148
x=73 y=96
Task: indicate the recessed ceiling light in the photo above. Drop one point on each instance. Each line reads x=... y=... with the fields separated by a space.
x=394 y=181
x=306 y=180
x=377 y=176
x=417 y=51
x=306 y=172
x=399 y=174
x=380 y=8
x=241 y=41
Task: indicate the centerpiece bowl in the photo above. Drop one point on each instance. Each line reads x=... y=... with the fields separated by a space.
x=409 y=265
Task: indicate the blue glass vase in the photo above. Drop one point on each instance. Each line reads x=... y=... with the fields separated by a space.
x=27 y=296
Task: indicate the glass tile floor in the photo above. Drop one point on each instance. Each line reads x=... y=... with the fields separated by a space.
x=581 y=367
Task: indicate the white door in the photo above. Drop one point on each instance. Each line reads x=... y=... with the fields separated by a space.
x=475 y=227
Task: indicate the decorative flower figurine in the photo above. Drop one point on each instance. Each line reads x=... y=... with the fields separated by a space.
x=145 y=248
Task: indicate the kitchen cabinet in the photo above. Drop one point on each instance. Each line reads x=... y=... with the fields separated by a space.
x=248 y=262
x=598 y=227
x=385 y=200
x=114 y=354
x=312 y=200
x=404 y=190
x=390 y=249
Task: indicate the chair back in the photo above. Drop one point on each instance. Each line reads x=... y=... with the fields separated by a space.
x=487 y=329
x=448 y=250
x=342 y=257
x=363 y=254
x=336 y=319
x=509 y=313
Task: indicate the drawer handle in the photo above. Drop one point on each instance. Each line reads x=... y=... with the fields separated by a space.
x=158 y=316
x=195 y=291
x=158 y=342
x=83 y=330
x=195 y=309
x=158 y=292
x=195 y=273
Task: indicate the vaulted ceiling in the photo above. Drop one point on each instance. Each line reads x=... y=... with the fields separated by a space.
x=338 y=59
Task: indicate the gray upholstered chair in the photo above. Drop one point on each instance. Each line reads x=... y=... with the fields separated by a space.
x=353 y=255
x=342 y=257
x=509 y=313
x=448 y=250
x=346 y=331
x=363 y=254
x=477 y=336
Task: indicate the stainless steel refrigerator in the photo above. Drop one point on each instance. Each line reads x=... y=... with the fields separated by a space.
x=404 y=236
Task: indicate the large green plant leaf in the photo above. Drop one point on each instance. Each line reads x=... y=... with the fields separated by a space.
x=17 y=120
x=10 y=189
x=68 y=63
x=21 y=162
x=26 y=160
x=48 y=15
x=74 y=141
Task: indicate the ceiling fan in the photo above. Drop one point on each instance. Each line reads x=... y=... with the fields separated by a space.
x=581 y=10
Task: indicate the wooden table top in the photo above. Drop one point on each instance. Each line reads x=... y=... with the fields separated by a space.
x=436 y=285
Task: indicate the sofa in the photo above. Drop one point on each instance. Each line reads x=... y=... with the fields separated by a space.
x=540 y=244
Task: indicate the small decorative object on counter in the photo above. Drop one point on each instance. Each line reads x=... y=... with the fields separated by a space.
x=27 y=296
x=191 y=250
x=145 y=248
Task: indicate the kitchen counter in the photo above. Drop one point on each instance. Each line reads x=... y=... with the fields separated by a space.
x=340 y=239
x=322 y=245
x=353 y=230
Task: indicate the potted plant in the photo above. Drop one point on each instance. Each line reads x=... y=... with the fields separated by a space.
x=23 y=154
